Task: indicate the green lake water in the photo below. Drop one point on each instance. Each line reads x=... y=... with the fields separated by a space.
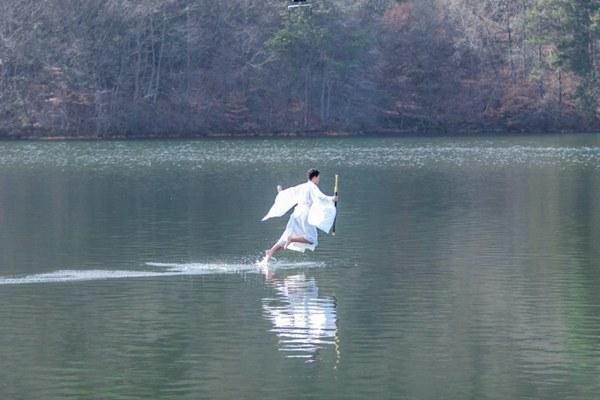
x=462 y=268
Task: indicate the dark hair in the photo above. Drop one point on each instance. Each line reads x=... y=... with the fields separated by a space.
x=312 y=173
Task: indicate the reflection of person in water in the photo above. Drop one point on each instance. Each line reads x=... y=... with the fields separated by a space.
x=303 y=322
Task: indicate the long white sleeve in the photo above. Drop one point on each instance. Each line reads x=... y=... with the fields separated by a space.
x=316 y=193
x=322 y=211
x=285 y=200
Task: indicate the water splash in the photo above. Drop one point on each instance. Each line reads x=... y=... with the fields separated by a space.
x=165 y=270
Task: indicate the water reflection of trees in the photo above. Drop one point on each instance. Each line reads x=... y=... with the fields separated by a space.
x=304 y=322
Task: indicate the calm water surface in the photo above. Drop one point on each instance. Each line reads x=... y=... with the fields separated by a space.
x=462 y=269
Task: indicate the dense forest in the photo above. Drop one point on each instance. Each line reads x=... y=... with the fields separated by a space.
x=124 y=68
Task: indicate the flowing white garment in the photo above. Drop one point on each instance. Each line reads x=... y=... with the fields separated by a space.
x=313 y=210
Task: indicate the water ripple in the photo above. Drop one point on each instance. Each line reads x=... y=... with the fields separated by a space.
x=379 y=153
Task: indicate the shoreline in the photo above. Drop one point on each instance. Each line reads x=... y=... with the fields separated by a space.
x=274 y=135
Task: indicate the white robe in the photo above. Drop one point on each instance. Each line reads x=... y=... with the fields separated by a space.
x=313 y=210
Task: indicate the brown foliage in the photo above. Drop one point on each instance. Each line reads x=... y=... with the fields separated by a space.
x=400 y=16
x=196 y=67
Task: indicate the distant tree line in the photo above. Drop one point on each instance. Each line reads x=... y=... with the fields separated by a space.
x=123 y=68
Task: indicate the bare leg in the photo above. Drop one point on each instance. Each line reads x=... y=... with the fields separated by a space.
x=277 y=247
x=297 y=239
x=269 y=253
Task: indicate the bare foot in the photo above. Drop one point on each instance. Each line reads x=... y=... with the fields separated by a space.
x=268 y=255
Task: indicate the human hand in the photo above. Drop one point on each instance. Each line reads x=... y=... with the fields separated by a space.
x=334 y=198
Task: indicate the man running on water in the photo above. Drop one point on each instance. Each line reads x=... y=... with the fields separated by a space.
x=313 y=210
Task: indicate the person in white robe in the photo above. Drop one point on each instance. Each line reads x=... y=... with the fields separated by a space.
x=313 y=210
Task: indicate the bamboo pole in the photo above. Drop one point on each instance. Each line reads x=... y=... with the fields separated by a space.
x=336 y=188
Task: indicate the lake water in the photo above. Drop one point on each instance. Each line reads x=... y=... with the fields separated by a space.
x=462 y=268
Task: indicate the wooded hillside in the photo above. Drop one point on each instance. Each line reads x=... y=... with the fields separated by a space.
x=122 y=68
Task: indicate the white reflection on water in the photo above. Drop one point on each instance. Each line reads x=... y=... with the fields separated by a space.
x=304 y=322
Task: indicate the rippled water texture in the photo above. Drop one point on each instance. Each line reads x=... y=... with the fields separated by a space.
x=462 y=268
x=409 y=153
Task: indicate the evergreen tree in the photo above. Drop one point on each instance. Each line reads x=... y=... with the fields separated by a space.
x=570 y=29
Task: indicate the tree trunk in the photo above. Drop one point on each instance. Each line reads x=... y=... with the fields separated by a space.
x=160 y=56
x=188 y=60
x=510 y=44
x=152 y=63
x=323 y=93
x=307 y=97
x=541 y=80
x=328 y=111
x=138 y=68
x=560 y=87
